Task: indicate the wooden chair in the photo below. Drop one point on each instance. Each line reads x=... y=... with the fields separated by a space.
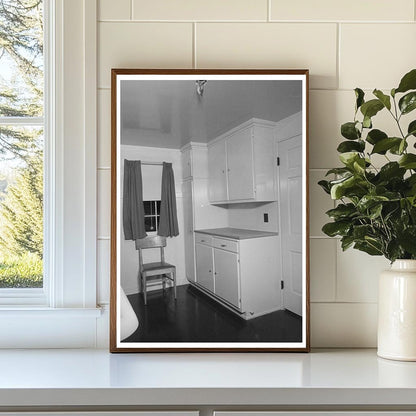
x=157 y=272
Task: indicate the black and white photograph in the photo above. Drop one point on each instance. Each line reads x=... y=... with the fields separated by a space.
x=209 y=231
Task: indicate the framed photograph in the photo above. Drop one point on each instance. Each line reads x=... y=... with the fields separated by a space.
x=209 y=210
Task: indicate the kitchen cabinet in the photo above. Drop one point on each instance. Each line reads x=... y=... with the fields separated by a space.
x=227 y=271
x=227 y=276
x=205 y=266
x=197 y=211
x=242 y=164
x=217 y=166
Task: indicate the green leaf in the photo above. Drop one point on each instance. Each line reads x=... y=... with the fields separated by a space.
x=325 y=186
x=385 y=144
x=367 y=122
x=408 y=161
x=385 y=99
x=359 y=95
x=407 y=239
x=350 y=131
x=338 y=171
x=375 y=136
x=391 y=170
x=346 y=242
x=342 y=211
x=368 y=201
x=375 y=211
x=336 y=228
x=371 y=108
x=368 y=248
x=349 y=146
x=400 y=148
x=339 y=189
x=408 y=102
x=348 y=158
x=408 y=82
x=411 y=130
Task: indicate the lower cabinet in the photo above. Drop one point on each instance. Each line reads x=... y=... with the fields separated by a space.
x=243 y=275
x=227 y=276
x=205 y=266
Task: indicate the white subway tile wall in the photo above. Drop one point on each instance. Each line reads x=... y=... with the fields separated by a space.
x=345 y=44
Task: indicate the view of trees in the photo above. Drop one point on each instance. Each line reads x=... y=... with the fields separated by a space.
x=21 y=143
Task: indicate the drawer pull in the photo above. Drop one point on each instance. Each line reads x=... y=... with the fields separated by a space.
x=223 y=245
x=202 y=241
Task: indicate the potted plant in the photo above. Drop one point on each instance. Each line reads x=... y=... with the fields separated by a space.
x=376 y=207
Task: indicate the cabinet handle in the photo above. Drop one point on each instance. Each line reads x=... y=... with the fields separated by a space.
x=209 y=271
x=223 y=245
x=202 y=241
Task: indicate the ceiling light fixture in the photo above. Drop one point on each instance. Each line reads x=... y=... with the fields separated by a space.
x=200 y=84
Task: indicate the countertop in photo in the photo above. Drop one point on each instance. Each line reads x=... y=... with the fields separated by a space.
x=236 y=233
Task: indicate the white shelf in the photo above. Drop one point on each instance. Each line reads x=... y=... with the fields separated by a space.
x=96 y=378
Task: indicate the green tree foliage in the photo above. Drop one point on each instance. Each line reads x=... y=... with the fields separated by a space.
x=21 y=213
x=21 y=95
x=21 y=76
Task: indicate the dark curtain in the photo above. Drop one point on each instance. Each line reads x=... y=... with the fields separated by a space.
x=133 y=209
x=168 y=225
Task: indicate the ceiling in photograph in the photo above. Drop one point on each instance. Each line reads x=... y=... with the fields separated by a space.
x=170 y=114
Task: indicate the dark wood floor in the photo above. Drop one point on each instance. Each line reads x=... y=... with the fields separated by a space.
x=194 y=317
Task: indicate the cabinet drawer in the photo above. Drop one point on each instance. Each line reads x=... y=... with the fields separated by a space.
x=230 y=245
x=203 y=239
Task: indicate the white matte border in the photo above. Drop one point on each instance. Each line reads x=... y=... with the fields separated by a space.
x=228 y=77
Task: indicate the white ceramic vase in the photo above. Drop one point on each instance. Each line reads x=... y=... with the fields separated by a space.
x=397 y=312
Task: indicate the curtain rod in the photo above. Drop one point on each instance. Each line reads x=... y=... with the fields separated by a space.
x=152 y=163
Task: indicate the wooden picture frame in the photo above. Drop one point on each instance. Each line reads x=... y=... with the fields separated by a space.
x=242 y=254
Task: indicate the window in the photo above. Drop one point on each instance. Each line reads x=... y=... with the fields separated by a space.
x=22 y=130
x=151 y=215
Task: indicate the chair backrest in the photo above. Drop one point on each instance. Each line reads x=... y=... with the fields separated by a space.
x=153 y=241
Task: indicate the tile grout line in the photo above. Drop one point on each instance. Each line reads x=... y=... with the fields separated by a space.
x=194 y=45
x=269 y=10
x=309 y=22
x=338 y=63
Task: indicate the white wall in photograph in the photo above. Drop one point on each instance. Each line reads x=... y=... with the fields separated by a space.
x=152 y=182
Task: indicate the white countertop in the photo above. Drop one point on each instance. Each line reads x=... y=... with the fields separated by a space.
x=96 y=377
x=236 y=233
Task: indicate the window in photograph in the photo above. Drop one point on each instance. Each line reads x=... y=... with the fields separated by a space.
x=22 y=121
x=151 y=215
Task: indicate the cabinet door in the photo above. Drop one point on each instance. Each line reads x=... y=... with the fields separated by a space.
x=187 y=195
x=204 y=266
x=227 y=276
x=217 y=172
x=240 y=165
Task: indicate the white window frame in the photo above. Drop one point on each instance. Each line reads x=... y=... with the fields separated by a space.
x=68 y=318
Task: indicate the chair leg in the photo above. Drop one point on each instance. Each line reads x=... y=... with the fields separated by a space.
x=174 y=282
x=163 y=282
x=144 y=289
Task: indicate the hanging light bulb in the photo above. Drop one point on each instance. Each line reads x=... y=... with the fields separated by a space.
x=200 y=84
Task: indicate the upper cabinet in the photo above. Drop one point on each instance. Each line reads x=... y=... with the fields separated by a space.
x=242 y=164
x=217 y=172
